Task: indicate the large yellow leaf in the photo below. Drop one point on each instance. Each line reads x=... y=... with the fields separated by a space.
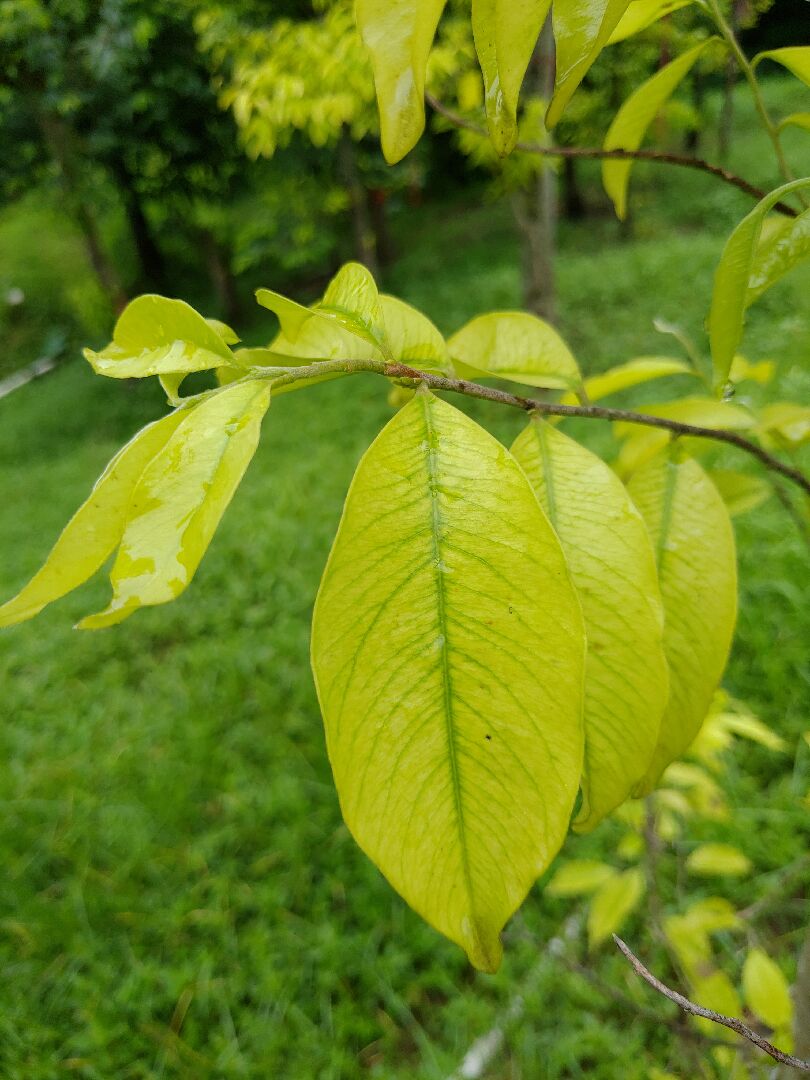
x=766 y=990
x=399 y=34
x=448 y=652
x=157 y=336
x=180 y=498
x=505 y=33
x=697 y=571
x=513 y=345
x=582 y=28
x=630 y=123
x=95 y=530
x=613 y=566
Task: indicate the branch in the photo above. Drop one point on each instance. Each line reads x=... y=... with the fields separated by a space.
x=401 y=372
x=660 y=156
x=709 y=1014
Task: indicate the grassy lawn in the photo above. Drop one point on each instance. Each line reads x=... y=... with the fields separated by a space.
x=179 y=897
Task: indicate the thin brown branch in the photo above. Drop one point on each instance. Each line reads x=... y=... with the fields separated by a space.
x=660 y=157
x=709 y=1014
x=598 y=412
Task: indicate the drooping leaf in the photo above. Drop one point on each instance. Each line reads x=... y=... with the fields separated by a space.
x=582 y=28
x=641 y=14
x=448 y=652
x=731 y=282
x=776 y=255
x=513 y=345
x=741 y=492
x=612 y=563
x=228 y=335
x=630 y=123
x=718 y=859
x=579 y=877
x=612 y=905
x=158 y=336
x=633 y=373
x=796 y=58
x=694 y=543
x=351 y=301
x=505 y=33
x=766 y=990
x=180 y=498
x=95 y=530
x=398 y=35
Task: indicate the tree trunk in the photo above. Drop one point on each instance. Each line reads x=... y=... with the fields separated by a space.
x=537 y=208
x=220 y=276
x=364 y=247
x=573 y=201
x=150 y=257
x=60 y=142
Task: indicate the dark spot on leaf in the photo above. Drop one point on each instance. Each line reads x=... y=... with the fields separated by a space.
x=488 y=738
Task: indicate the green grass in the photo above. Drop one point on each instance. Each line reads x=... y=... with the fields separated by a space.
x=179 y=897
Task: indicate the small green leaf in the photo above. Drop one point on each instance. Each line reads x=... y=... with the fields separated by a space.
x=228 y=335
x=718 y=859
x=750 y=727
x=612 y=563
x=399 y=35
x=180 y=498
x=785 y=424
x=641 y=14
x=799 y=120
x=796 y=58
x=95 y=530
x=351 y=301
x=612 y=905
x=777 y=253
x=505 y=32
x=580 y=877
x=766 y=991
x=582 y=28
x=698 y=411
x=448 y=652
x=514 y=345
x=157 y=336
x=624 y=376
x=741 y=492
x=635 y=116
x=731 y=282
x=694 y=542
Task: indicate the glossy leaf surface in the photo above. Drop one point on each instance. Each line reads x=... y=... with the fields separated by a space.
x=612 y=563
x=731 y=282
x=505 y=32
x=513 y=345
x=776 y=255
x=399 y=34
x=796 y=58
x=448 y=652
x=582 y=28
x=180 y=498
x=697 y=572
x=158 y=336
x=630 y=123
x=95 y=530
x=641 y=14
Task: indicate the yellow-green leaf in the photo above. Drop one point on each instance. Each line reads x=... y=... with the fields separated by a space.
x=513 y=345
x=180 y=499
x=796 y=58
x=612 y=904
x=718 y=859
x=157 y=336
x=351 y=301
x=505 y=33
x=800 y=120
x=750 y=727
x=634 y=117
x=698 y=411
x=697 y=571
x=731 y=282
x=778 y=253
x=228 y=335
x=766 y=991
x=95 y=530
x=612 y=563
x=398 y=35
x=785 y=424
x=633 y=373
x=448 y=652
x=641 y=14
x=741 y=492
x=413 y=337
x=582 y=28
x=580 y=877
